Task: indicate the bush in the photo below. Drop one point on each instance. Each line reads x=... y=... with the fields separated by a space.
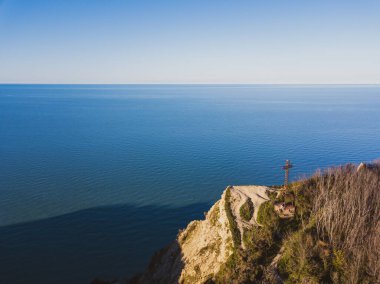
x=246 y=210
x=304 y=259
x=236 y=237
x=271 y=194
x=239 y=268
x=266 y=215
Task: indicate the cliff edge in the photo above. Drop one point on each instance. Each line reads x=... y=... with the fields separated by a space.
x=204 y=246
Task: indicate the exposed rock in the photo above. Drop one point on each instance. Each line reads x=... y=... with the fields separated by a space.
x=200 y=250
x=361 y=166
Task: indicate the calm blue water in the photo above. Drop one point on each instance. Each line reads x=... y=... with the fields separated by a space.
x=94 y=179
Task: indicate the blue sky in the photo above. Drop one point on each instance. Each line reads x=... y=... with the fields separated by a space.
x=194 y=41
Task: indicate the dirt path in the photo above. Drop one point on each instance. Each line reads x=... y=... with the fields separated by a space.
x=239 y=195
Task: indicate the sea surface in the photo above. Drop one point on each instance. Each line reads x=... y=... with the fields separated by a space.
x=95 y=178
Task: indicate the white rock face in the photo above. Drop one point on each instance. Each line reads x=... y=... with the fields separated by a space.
x=204 y=246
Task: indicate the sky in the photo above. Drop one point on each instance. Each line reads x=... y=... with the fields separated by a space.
x=190 y=41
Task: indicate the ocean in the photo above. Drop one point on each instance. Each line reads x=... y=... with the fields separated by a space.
x=95 y=178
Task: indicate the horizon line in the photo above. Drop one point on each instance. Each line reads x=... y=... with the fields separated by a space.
x=184 y=83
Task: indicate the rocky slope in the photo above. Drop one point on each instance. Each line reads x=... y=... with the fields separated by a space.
x=204 y=246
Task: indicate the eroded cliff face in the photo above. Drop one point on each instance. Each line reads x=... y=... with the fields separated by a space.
x=200 y=250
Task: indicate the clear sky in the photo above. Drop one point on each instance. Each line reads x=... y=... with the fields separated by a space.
x=192 y=41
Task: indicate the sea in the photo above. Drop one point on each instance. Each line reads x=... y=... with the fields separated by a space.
x=95 y=178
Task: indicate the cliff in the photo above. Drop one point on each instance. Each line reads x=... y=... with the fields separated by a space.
x=331 y=236
x=204 y=246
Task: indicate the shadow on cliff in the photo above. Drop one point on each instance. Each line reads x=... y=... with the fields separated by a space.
x=165 y=267
x=106 y=242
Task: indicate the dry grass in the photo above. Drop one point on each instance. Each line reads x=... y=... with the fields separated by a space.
x=346 y=207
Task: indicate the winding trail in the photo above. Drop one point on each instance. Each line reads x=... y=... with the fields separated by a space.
x=239 y=195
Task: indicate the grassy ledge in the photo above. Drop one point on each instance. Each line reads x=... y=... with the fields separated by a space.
x=236 y=237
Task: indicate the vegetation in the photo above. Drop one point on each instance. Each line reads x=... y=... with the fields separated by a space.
x=338 y=211
x=347 y=210
x=246 y=210
x=267 y=216
x=305 y=259
x=271 y=194
x=214 y=215
x=248 y=265
x=237 y=269
x=332 y=238
x=236 y=237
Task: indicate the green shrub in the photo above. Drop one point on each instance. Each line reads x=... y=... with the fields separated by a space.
x=260 y=242
x=271 y=194
x=239 y=268
x=339 y=260
x=304 y=259
x=266 y=215
x=246 y=210
x=339 y=266
x=236 y=237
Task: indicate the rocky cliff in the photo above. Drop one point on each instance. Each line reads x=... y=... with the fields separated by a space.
x=204 y=246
